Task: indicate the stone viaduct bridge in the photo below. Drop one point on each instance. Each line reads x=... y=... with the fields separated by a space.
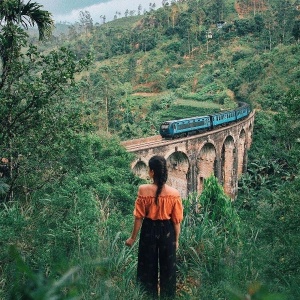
x=222 y=152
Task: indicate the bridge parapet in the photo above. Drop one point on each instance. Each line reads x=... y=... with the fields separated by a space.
x=141 y=141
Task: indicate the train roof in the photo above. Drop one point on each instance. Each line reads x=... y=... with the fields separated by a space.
x=223 y=112
x=185 y=119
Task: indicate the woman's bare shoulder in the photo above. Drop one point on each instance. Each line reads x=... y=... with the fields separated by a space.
x=146 y=189
x=150 y=190
x=171 y=191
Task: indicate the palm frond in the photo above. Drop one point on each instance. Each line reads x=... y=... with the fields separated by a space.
x=27 y=15
x=36 y=16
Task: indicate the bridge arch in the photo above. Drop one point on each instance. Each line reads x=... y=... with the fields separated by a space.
x=178 y=165
x=228 y=160
x=140 y=169
x=206 y=164
x=249 y=135
x=180 y=149
x=241 y=153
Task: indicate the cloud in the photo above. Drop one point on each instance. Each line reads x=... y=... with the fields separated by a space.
x=66 y=6
x=107 y=8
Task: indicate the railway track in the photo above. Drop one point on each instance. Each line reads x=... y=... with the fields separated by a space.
x=140 y=145
x=157 y=141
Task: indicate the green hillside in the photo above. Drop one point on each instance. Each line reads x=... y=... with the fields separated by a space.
x=66 y=187
x=218 y=52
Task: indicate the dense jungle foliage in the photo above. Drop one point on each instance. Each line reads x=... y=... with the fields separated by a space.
x=66 y=187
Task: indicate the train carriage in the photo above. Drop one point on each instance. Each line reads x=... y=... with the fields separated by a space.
x=223 y=118
x=242 y=111
x=184 y=127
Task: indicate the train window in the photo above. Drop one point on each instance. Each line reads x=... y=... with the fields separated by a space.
x=164 y=126
x=199 y=123
x=183 y=126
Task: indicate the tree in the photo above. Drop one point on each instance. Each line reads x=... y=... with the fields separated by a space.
x=184 y=24
x=218 y=206
x=216 y=10
x=86 y=21
x=198 y=12
x=139 y=9
x=270 y=31
x=174 y=13
x=296 y=30
x=103 y=18
x=34 y=114
x=107 y=88
x=284 y=15
x=287 y=125
x=162 y=18
x=72 y=32
x=14 y=13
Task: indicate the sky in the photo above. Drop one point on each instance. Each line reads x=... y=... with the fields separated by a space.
x=68 y=10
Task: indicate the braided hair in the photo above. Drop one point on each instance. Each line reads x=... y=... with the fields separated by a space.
x=158 y=165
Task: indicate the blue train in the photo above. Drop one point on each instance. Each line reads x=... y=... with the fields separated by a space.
x=194 y=125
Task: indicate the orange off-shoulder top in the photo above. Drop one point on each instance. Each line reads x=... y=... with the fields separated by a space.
x=169 y=205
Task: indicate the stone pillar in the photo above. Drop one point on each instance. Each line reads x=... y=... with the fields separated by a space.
x=192 y=174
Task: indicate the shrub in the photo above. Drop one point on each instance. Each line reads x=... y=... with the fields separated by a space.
x=174 y=80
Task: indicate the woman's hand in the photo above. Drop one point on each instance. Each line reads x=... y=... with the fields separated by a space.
x=136 y=227
x=129 y=242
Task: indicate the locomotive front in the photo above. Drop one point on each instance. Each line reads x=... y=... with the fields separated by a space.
x=166 y=130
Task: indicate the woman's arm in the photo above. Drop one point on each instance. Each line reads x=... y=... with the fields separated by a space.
x=177 y=233
x=136 y=228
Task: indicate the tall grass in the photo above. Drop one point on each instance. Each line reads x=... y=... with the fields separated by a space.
x=207 y=249
x=217 y=257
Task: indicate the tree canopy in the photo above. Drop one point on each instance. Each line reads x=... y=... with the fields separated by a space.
x=34 y=112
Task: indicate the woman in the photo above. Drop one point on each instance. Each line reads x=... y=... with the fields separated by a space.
x=158 y=209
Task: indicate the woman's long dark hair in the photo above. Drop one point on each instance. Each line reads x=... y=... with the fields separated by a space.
x=158 y=165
